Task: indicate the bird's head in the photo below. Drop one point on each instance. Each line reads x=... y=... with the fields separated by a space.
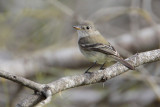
x=86 y=29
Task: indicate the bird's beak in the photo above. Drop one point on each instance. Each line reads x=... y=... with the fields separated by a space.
x=77 y=27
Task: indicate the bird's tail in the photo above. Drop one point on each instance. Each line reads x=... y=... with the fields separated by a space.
x=122 y=61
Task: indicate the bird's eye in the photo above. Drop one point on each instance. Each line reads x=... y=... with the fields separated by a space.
x=87 y=27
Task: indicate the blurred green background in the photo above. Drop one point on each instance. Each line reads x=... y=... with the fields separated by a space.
x=38 y=42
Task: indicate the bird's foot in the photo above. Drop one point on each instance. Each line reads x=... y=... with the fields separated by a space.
x=87 y=71
x=101 y=68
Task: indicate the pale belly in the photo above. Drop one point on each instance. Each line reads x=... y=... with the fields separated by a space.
x=98 y=57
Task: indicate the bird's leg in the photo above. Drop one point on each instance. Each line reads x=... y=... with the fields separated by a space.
x=101 y=68
x=91 y=67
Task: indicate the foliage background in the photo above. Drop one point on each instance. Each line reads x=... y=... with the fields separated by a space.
x=28 y=27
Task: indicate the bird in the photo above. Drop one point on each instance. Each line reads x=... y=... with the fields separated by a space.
x=95 y=47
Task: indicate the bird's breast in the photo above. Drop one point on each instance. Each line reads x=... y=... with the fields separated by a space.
x=96 y=56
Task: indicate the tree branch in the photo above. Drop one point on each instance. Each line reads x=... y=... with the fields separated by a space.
x=48 y=90
x=79 y=80
x=18 y=79
x=103 y=75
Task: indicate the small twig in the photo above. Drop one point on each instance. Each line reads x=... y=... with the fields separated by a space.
x=25 y=82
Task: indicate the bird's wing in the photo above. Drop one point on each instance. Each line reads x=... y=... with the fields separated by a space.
x=99 y=47
x=108 y=50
